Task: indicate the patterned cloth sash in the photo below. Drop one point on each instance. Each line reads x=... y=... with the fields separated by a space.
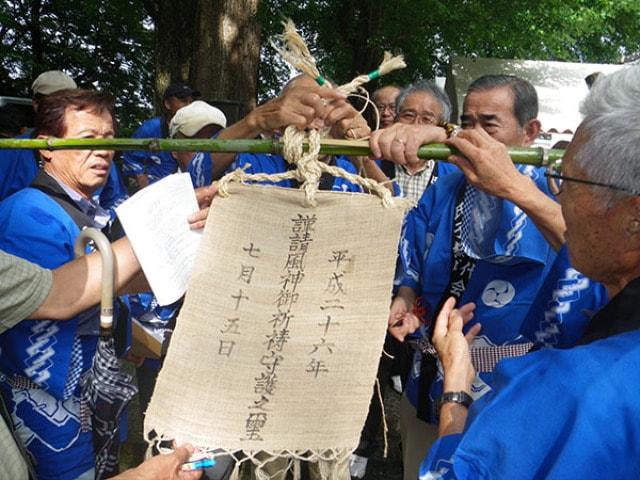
x=484 y=359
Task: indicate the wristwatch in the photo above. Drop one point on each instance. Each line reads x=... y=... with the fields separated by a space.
x=463 y=398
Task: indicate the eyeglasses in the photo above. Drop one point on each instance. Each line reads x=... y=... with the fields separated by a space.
x=555 y=180
x=422 y=118
x=386 y=106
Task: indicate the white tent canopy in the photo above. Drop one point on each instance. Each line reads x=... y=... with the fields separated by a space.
x=560 y=85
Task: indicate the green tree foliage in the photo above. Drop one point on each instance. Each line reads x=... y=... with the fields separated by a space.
x=111 y=44
x=349 y=36
x=102 y=44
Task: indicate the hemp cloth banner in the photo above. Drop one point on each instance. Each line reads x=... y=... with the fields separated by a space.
x=278 y=342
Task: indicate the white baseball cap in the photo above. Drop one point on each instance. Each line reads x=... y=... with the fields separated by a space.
x=190 y=119
x=52 y=81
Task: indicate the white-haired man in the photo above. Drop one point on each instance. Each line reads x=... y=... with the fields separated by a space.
x=560 y=413
x=421 y=103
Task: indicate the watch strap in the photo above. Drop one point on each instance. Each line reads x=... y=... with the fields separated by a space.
x=462 y=398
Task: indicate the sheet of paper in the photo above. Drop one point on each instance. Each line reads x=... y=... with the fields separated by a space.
x=155 y=221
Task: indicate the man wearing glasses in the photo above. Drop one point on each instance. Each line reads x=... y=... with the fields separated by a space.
x=385 y=101
x=421 y=103
x=472 y=237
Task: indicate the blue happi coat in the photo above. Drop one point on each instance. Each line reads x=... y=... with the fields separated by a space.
x=512 y=261
x=113 y=193
x=201 y=169
x=565 y=303
x=556 y=414
x=156 y=165
x=53 y=354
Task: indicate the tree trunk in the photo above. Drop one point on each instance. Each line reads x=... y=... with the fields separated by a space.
x=175 y=35
x=213 y=45
x=35 y=30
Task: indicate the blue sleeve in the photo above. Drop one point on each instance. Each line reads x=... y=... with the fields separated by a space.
x=445 y=168
x=563 y=306
x=557 y=414
x=201 y=169
x=537 y=175
x=261 y=163
x=439 y=462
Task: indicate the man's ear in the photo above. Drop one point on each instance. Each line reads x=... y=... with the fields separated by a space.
x=44 y=154
x=632 y=221
x=531 y=131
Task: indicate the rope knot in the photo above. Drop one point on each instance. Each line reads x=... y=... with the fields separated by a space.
x=309 y=168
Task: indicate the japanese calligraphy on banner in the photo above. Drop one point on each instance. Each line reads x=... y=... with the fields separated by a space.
x=278 y=343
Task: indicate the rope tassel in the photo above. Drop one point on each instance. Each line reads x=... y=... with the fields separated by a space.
x=389 y=64
x=294 y=51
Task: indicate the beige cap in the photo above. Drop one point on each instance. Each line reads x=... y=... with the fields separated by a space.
x=190 y=119
x=52 y=81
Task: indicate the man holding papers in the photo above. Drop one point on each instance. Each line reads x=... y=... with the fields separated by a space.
x=42 y=361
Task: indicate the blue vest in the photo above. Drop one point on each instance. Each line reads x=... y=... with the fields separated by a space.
x=52 y=354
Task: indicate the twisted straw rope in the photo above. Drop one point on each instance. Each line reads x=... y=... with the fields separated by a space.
x=293 y=49
x=309 y=170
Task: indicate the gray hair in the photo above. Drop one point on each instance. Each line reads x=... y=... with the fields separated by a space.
x=525 y=97
x=430 y=88
x=611 y=151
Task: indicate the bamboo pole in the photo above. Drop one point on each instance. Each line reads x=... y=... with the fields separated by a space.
x=528 y=156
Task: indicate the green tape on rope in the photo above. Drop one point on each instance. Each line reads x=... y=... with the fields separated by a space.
x=373 y=75
x=320 y=80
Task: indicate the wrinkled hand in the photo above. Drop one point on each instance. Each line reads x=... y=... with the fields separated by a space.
x=205 y=196
x=163 y=467
x=402 y=321
x=453 y=346
x=400 y=143
x=486 y=163
x=299 y=106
